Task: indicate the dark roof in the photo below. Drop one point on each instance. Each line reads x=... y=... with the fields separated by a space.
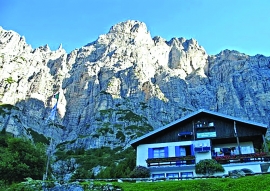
x=193 y=114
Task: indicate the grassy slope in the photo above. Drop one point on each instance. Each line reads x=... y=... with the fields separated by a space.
x=260 y=183
x=250 y=183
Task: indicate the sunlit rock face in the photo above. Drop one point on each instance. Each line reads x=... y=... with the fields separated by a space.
x=122 y=85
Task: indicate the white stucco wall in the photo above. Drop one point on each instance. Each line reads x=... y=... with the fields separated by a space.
x=142 y=155
x=202 y=156
x=165 y=172
x=142 y=150
x=255 y=167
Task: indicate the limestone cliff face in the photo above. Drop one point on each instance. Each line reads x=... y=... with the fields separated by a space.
x=123 y=85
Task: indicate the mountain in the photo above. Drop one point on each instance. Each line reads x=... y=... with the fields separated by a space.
x=123 y=85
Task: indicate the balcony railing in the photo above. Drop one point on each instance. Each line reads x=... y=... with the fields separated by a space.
x=242 y=158
x=171 y=161
x=190 y=159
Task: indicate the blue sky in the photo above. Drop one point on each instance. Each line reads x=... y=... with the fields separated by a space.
x=242 y=25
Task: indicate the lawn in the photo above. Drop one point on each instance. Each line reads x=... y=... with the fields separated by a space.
x=248 y=183
x=258 y=182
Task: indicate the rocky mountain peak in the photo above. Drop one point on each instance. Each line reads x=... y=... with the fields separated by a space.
x=123 y=85
x=44 y=49
x=128 y=27
x=231 y=55
x=12 y=43
x=130 y=32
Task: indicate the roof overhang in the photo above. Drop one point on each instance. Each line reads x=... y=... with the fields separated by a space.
x=236 y=119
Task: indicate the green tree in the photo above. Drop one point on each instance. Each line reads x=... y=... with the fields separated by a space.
x=21 y=159
x=82 y=173
x=208 y=167
x=106 y=173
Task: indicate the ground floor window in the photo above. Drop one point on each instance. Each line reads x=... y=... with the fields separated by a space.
x=186 y=174
x=161 y=175
x=172 y=175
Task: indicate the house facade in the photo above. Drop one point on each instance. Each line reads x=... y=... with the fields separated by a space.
x=173 y=150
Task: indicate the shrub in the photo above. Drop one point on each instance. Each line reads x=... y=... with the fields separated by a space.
x=208 y=167
x=140 y=172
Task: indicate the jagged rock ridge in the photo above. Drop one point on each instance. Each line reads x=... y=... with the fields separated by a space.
x=123 y=85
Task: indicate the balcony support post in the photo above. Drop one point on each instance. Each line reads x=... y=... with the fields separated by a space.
x=237 y=138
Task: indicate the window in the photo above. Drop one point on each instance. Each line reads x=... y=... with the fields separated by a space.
x=160 y=152
x=184 y=150
x=180 y=151
x=172 y=175
x=186 y=174
x=162 y=175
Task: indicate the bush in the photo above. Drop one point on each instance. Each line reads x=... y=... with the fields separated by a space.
x=208 y=167
x=140 y=172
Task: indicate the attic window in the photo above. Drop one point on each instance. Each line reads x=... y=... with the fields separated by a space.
x=186 y=133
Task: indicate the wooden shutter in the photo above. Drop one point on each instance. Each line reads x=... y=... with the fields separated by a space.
x=178 y=154
x=150 y=153
x=166 y=150
x=192 y=149
x=177 y=151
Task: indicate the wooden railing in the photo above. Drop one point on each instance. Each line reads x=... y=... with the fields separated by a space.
x=168 y=161
x=242 y=158
x=187 y=160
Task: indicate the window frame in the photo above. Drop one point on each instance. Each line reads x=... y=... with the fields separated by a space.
x=186 y=175
x=159 y=152
x=159 y=175
x=163 y=150
x=175 y=175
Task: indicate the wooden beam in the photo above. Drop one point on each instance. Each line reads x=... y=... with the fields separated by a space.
x=193 y=129
x=237 y=138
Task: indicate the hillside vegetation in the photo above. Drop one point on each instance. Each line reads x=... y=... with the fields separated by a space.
x=20 y=158
x=249 y=183
x=111 y=163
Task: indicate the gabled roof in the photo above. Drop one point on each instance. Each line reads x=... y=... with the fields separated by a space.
x=196 y=113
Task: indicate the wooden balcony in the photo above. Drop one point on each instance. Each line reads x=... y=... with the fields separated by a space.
x=171 y=161
x=262 y=157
